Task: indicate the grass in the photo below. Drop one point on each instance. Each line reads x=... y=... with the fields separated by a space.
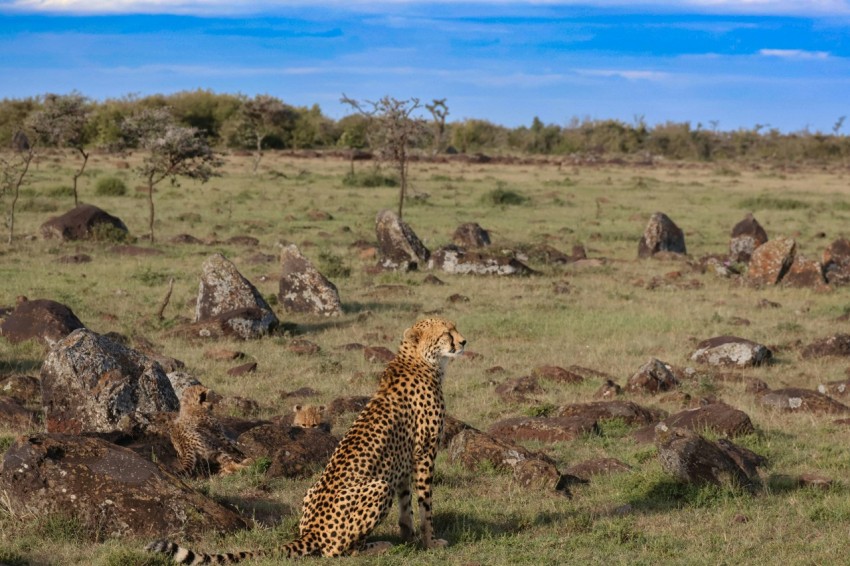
x=609 y=321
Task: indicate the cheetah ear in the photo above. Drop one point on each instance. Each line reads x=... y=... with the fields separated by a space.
x=412 y=334
x=321 y=408
x=296 y=408
x=202 y=397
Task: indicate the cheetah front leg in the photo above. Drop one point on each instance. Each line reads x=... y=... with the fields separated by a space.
x=405 y=512
x=424 y=479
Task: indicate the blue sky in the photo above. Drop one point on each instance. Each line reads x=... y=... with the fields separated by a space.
x=729 y=63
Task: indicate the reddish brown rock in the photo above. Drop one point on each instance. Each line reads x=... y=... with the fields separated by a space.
x=838 y=388
x=517 y=389
x=836 y=262
x=797 y=400
x=243 y=369
x=747 y=235
x=398 y=246
x=471 y=235
x=378 y=354
x=629 y=412
x=543 y=429
x=608 y=390
x=80 y=223
x=771 y=261
x=557 y=374
x=303 y=347
x=718 y=418
x=597 y=467
x=303 y=289
x=295 y=452
x=342 y=405
x=835 y=345
x=223 y=354
x=652 y=377
x=805 y=273
x=41 y=319
x=22 y=388
x=14 y=416
x=661 y=235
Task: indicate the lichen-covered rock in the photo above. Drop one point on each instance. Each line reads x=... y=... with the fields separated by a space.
x=835 y=345
x=398 y=246
x=806 y=273
x=80 y=223
x=718 y=418
x=731 y=351
x=836 y=262
x=90 y=383
x=231 y=302
x=747 y=235
x=627 y=411
x=303 y=289
x=109 y=489
x=771 y=261
x=661 y=235
x=652 y=377
x=471 y=235
x=543 y=429
x=597 y=467
x=797 y=400
x=453 y=259
x=40 y=319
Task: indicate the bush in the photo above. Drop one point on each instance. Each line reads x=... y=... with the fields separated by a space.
x=333 y=266
x=58 y=192
x=373 y=178
x=110 y=187
x=106 y=232
x=503 y=197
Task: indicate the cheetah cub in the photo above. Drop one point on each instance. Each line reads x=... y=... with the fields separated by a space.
x=309 y=416
x=198 y=437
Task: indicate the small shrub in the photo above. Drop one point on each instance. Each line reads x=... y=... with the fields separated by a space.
x=372 y=178
x=110 y=187
x=152 y=278
x=106 y=232
x=501 y=196
x=333 y=266
x=60 y=192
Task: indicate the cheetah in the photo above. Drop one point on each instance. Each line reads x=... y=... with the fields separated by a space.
x=309 y=416
x=387 y=453
x=198 y=436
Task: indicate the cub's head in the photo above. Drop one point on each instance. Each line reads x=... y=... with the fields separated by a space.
x=434 y=339
x=195 y=397
x=308 y=416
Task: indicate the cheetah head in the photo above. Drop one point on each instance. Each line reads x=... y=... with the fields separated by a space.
x=435 y=339
x=308 y=416
x=195 y=396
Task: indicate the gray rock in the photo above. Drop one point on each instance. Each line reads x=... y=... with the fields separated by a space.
x=731 y=351
x=453 y=259
x=652 y=377
x=398 y=246
x=661 y=235
x=747 y=235
x=303 y=289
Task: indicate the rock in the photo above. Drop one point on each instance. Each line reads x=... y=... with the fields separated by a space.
x=471 y=235
x=80 y=223
x=557 y=374
x=243 y=240
x=180 y=380
x=549 y=255
x=516 y=389
x=596 y=467
x=452 y=259
x=629 y=412
x=350 y=404
x=303 y=289
x=690 y=458
x=805 y=273
x=378 y=354
x=108 y=489
x=747 y=235
x=451 y=428
x=303 y=347
x=832 y=388
x=185 y=239
x=74 y=259
x=230 y=303
x=134 y=251
x=835 y=345
x=718 y=418
x=797 y=400
x=770 y=261
x=398 y=246
x=608 y=390
x=432 y=279
x=836 y=262
x=242 y=369
x=652 y=377
x=731 y=351
x=295 y=452
x=22 y=388
x=14 y=416
x=661 y=235
x=92 y=384
x=40 y=319
x=243 y=323
x=223 y=354
x=543 y=429
x=538 y=474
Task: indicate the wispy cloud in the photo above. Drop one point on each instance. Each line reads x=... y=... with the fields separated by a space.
x=794 y=54
x=628 y=74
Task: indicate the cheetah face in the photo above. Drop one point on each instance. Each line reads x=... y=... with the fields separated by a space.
x=436 y=339
x=309 y=416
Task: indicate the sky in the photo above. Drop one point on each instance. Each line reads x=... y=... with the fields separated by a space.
x=719 y=64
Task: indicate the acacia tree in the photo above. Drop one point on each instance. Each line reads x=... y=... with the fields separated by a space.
x=393 y=130
x=13 y=170
x=64 y=121
x=261 y=115
x=172 y=151
x=439 y=110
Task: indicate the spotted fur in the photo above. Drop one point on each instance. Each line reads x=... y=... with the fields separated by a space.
x=198 y=436
x=387 y=453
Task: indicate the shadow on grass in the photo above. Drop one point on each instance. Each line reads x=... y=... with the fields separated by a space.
x=264 y=511
x=17 y=367
x=466 y=527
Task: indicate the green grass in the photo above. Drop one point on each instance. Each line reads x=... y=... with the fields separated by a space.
x=609 y=321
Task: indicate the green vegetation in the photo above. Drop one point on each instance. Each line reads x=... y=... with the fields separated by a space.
x=610 y=320
x=110 y=187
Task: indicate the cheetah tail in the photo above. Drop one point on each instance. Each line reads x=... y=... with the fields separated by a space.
x=305 y=545
x=183 y=555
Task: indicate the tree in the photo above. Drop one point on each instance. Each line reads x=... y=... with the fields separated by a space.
x=261 y=115
x=394 y=130
x=439 y=110
x=172 y=151
x=13 y=171
x=65 y=121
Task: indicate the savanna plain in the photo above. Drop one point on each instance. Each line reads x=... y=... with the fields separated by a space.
x=605 y=316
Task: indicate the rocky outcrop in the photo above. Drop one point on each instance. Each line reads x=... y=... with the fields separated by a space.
x=41 y=319
x=471 y=235
x=719 y=418
x=295 y=452
x=453 y=259
x=92 y=384
x=661 y=235
x=731 y=351
x=398 y=246
x=805 y=273
x=543 y=429
x=747 y=235
x=303 y=289
x=771 y=261
x=80 y=223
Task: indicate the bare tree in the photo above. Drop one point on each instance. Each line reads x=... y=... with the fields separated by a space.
x=439 y=110
x=13 y=170
x=394 y=131
x=172 y=151
x=261 y=115
x=65 y=121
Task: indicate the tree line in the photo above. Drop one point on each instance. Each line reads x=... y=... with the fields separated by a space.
x=239 y=122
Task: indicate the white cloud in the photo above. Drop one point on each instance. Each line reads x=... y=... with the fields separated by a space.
x=795 y=54
x=628 y=74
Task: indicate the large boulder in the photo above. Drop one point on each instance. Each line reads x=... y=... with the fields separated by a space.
x=453 y=259
x=40 y=319
x=731 y=351
x=652 y=377
x=836 y=262
x=295 y=452
x=231 y=303
x=471 y=235
x=80 y=223
x=303 y=289
x=109 y=489
x=661 y=235
x=771 y=261
x=398 y=246
x=90 y=383
x=719 y=418
x=747 y=235
x=806 y=273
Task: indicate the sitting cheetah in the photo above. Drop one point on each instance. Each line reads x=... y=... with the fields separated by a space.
x=391 y=445
x=197 y=435
x=309 y=416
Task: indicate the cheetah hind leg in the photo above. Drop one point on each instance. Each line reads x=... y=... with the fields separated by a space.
x=364 y=504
